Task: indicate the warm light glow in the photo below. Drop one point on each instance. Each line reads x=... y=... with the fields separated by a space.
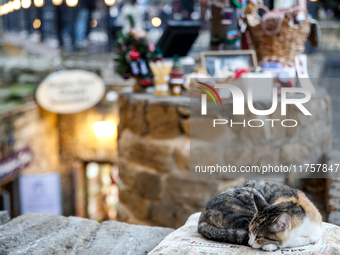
x=57 y=2
x=36 y=23
x=3 y=10
x=313 y=0
x=156 y=22
x=105 y=129
x=16 y=4
x=94 y=23
x=26 y=4
x=9 y=6
x=339 y=7
x=39 y=3
x=109 y=2
x=71 y=3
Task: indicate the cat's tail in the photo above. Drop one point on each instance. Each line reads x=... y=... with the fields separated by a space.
x=234 y=236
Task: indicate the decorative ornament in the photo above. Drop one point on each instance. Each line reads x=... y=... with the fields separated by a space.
x=227 y=16
x=145 y=82
x=238 y=3
x=134 y=54
x=232 y=37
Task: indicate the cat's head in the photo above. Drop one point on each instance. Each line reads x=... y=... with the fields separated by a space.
x=270 y=225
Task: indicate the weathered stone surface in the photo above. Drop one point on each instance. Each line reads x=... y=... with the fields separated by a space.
x=334 y=218
x=156 y=154
x=136 y=118
x=294 y=153
x=169 y=215
x=163 y=121
x=182 y=154
x=44 y=234
x=121 y=238
x=133 y=200
x=251 y=156
x=129 y=170
x=149 y=185
x=183 y=111
x=37 y=234
x=185 y=125
x=334 y=189
x=334 y=204
x=4 y=217
x=191 y=192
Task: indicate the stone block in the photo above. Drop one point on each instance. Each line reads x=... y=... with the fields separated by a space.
x=136 y=118
x=334 y=218
x=37 y=234
x=4 y=217
x=149 y=185
x=120 y=238
x=163 y=121
x=156 y=154
x=334 y=189
x=189 y=192
x=183 y=111
x=203 y=129
x=185 y=125
x=168 y=215
x=128 y=171
x=294 y=153
x=334 y=204
x=251 y=156
x=203 y=153
x=133 y=201
x=182 y=154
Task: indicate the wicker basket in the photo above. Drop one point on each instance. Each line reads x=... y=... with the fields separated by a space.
x=285 y=45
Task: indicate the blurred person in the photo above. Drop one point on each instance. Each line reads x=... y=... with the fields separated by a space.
x=83 y=21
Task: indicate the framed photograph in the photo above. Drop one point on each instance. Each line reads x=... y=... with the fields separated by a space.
x=220 y=63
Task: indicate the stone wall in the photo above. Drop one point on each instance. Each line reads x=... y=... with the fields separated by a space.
x=154 y=154
x=333 y=189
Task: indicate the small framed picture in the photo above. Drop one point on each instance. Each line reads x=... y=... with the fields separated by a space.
x=219 y=64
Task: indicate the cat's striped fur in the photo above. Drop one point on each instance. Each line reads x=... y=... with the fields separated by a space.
x=263 y=214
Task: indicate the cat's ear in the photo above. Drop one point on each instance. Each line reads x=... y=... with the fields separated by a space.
x=281 y=223
x=259 y=203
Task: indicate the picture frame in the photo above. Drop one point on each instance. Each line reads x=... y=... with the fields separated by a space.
x=219 y=64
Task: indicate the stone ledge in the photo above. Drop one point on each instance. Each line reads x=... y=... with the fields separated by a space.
x=50 y=234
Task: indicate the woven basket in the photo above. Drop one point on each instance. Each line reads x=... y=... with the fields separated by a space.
x=285 y=45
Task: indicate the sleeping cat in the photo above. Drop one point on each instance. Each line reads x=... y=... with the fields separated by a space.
x=264 y=214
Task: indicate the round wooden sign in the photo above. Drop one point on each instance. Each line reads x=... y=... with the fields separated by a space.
x=70 y=91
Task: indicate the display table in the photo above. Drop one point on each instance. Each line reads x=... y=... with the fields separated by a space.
x=187 y=241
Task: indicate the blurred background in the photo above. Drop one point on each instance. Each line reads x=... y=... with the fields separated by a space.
x=70 y=164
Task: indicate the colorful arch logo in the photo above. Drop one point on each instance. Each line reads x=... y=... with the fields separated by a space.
x=209 y=93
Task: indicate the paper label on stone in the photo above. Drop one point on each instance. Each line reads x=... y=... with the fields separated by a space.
x=70 y=91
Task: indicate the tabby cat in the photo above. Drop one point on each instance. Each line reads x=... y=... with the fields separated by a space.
x=264 y=214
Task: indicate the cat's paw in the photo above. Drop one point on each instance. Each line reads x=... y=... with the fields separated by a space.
x=269 y=247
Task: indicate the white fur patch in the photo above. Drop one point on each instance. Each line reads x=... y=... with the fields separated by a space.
x=308 y=232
